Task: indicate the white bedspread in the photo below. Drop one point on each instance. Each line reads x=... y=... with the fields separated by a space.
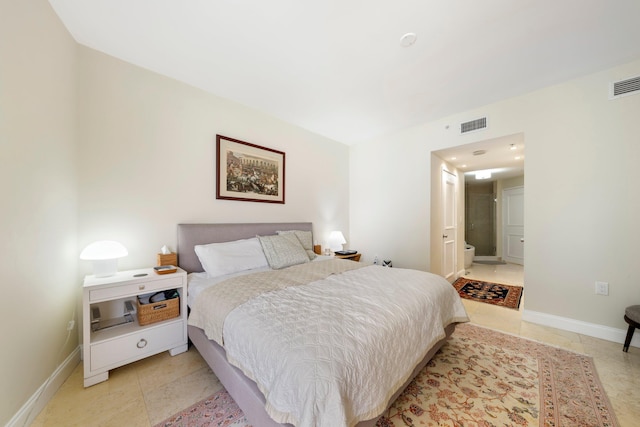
x=333 y=352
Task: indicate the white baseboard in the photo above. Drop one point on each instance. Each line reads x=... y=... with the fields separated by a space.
x=590 y=329
x=45 y=392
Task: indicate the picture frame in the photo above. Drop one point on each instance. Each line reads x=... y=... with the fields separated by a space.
x=249 y=172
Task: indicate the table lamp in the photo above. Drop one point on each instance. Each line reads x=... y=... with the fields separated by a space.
x=104 y=254
x=336 y=240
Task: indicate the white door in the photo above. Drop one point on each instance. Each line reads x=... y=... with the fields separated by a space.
x=449 y=224
x=513 y=225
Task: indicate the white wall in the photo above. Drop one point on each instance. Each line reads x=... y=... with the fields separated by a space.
x=38 y=279
x=581 y=199
x=147 y=161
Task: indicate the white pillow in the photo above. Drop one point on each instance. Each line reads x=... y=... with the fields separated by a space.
x=306 y=240
x=283 y=250
x=219 y=259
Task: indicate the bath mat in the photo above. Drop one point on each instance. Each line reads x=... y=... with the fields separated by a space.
x=491 y=293
x=480 y=377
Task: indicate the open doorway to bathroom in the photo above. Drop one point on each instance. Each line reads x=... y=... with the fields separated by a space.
x=489 y=167
x=480 y=227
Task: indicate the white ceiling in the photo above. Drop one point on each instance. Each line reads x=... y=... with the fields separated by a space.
x=336 y=67
x=504 y=157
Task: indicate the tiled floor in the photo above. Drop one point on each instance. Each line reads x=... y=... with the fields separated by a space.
x=149 y=391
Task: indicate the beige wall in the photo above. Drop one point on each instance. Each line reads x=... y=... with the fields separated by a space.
x=38 y=184
x=580 y=202
x=147 y=161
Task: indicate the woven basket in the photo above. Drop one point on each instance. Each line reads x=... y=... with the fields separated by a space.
x=158 y=311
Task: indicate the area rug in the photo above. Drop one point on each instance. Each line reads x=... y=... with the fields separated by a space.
x=491 y=293
x=218 y=410
x=484 y=378
x=479 y=378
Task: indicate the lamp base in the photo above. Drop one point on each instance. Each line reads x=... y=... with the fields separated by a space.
x=105 y=267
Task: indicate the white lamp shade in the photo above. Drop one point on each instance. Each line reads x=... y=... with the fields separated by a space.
x=336 y=240
x=104 y=254
x=103 y=249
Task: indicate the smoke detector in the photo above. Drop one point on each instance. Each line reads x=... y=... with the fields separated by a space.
x=408 y=39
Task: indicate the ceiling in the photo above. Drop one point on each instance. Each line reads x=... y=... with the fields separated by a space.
x=503 y=157
x=337 y=67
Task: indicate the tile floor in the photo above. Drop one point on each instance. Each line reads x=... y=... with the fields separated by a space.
x=149 y=391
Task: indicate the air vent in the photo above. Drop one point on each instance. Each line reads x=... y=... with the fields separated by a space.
x=624 y=87
x=473 y=125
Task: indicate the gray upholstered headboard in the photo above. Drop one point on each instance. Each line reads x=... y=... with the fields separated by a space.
x=190 y=235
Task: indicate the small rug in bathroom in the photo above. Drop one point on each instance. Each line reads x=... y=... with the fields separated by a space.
x=491 y=293
x=490 y=262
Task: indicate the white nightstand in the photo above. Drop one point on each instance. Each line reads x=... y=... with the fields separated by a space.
x=114 y=346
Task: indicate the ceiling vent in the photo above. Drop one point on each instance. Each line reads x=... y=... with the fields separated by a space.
x=624 y=87
x=473 y=125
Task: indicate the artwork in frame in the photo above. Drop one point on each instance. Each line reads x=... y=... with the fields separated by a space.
x=248 y=172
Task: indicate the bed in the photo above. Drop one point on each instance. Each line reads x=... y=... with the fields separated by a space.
x=313 y=391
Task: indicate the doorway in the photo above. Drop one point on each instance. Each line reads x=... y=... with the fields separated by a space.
x=501 y=161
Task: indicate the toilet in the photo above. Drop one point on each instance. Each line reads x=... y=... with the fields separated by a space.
x=469 y=253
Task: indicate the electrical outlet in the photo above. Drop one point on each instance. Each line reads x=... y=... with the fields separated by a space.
x=602 y=288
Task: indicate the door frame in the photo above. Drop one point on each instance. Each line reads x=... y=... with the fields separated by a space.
x=449 y=229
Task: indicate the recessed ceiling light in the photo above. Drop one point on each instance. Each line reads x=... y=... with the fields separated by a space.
x=485 y=174
x=513 y=147
x=408 y=39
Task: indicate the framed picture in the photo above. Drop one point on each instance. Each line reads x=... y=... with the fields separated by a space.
x=248 y=172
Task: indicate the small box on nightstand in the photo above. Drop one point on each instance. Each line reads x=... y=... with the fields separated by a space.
x=168 y=259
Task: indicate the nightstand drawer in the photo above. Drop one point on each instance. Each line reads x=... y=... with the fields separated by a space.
x=135 y=346
x=135 y=288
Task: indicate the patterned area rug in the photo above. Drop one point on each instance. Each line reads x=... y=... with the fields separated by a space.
x=484 y=378
x=479 y=378
x=490 y=293
x=218 y=410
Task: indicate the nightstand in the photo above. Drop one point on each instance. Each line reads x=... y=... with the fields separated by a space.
x=352 y=257
x=117 y=338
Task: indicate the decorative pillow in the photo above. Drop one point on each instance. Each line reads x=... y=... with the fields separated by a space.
x=283 y=250
x=305 y=239
x=219 y=259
